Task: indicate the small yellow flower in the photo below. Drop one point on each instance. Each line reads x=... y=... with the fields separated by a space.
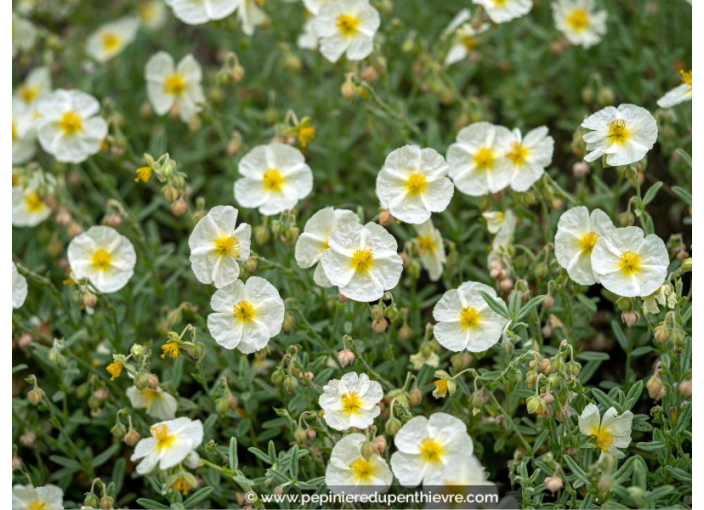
x=171 y=350
x=440 y=388
x=114 y=369
x=143 y=173
x=306 y=135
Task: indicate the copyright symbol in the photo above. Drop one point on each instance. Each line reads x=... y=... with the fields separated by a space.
x=251 y=496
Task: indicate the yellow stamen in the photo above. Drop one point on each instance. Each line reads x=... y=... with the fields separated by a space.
x=588 y=241
x=28 y=93
x=578 y=20
x=362 y=260
x=161 y=434
x=604 y=439
x=351 y=403
x=469 y=317
x=273 y=180
x=150 y=395
x=144 y=174
x=430 y=450
x=181 y=485
x=70 y=122
x=416 y=184
x=14 y=131
x=618 y=131
x=37 y=504
x=362 y=469
x=114 y=369
x=101 y=260
x=306 y=135
x=517 y=154
x=687 y=78
x=171 y=349
x=227 y=246
x=469 y=43
x=110 y=40
x=629 y=262
x=441 y=387
x=499 y=2
x=174 y=85
x=426 y=244
x=347 y=24
x=33 y=202
x=484 y=159
x=244 y=311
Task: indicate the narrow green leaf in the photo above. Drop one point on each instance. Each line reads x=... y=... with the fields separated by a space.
x=198 y=496
x=529 y=306
x=497 y=306
x=684 y=195
x=233 y=454
x=652 y=191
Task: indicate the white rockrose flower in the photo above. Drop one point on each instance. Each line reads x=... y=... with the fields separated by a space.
x=196 y=13
x=26 y=497
x=362 y=261
x=24 y=34
x=579 y=21
x=477 y=162
x=624 y=134
x=494 y=220
x=629 y=263
x=431 y=248
x=250 y=15
x=103 y=256
x=528 y=156
x=465 y=320
x=216 y=246
x=679 y=94
x=158 y=403
x=69 y=127
x=110 y=39
x=19 y=288
x=346 y=27
x=274 y=178
x=610 y=432
x=246 y=315
x=169 y=85
x=413 y=184
x=426 y=447
x=308 y=39
x=152 y=14
x=29 y=199
x=577 y=235
x=36 y=86
x=24 y=133
x=313 y=242
x=349 y=469
x=352 y=401
x=463 y=35
x=501 y=11
x=171 y=443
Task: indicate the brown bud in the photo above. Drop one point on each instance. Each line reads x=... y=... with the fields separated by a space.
x=35 y=396
x=630 y=317
x=415 y=397
x=580 y=169
x=553 y=483
x=348 y=90
x=345 y=357
x=506 y=284
x=28 y=439
x=74 y=229
x=114 y=221
x=549 y=302
x=685 y=388
x=545 y=366
x=385 y=218
x=179 y=207
x=90 y=300
x=655 y=387
x=131 y=438
x=380 y=325
x=369 y=74
x=379 y=444
x=153 y=381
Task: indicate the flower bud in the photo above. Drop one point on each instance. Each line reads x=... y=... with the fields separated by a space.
x=290 y=384
x=656 y=389
x=687 y=265
x=573 y=368
x=380 y=325
x=238 y=73
x=278 y=376
x=300 y=435
x=548 y=302
x=580 y=169
x=630 y=317
x=118 y=430
x=289 y=323
x=661 y=333
x=544 y=366
x=179 y=207
x=385 y=218
x=89 y=299
x=405 y=333
x=368 y=450
x=393 y=426
x=131 y=438
x=137 y=350
x=685 y=388
x=91 y=500
x=141 y=380
x=415 y=397
x=28 y=439
x=35 y=396
x=345 y=357
x=222 y=405
x=535 y=405
x=557 y=364
x=379 y=444
x=348 y=90
x=553 y=483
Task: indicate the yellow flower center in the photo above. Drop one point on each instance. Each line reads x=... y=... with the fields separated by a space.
x=588 y=241
x=468 y=42
x=687 y=78
x=227 y=246
x=174 y=85
x=28 y=93
x=629 y=262
x=499 y=2
x=70 y=122
x=484 y=159
x=430 y=450
x=114 y=369
x=618 y=131
x=37 y=504
x=143 y=173
x=306 y=135
x=181 y=485
x=33 y=202
x=362 y=469
x=244 y=311
x=416 y=184
x=426 y=244
x=441 y=385
x=351 y=403
x=362 y=260
x=161 y=434
x=101 y=260
x=150 y=395
x=273 y=180
x=170 y=349
x=110 y=40
x=347 y=24
x=517 y=154
x=146 y=11
x=578 y=19
x=14 y=130
x=469 y=317
x=604 y=439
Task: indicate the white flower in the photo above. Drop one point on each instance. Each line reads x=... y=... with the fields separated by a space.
x=274 y=178
x=577 y=235
x=36 y=86
x=610 y=432
x=426 y=447
x=348 y=468
x=246 y=315
x=26 y=497
x=432 y=249
x=629 y=263
x=24 y=33
x=527 y=156
x=465 y=320
x=413 y=183
x=24 y=134
x=250 y=15
x=308 y=39
x=624 y=134
x=152 y=14
x=313 y=242
x=197 y=12
x=504 y=235
x=19 y=288
x=422 y=358
x=69 y=127
x=501 y=11
x=362 y=261
x=158 y=403
x=494 y=220
x=346 y=27
x=579 y=21
x=216 y=246
x=104 y=256
x=110 y=39
x=463 y=37
x=466 y=471
x=169 y=85
x=679 y=94
x=170 y=444
x=477 y=163
x=29 y=206
x=351 y=401
x=314 y=6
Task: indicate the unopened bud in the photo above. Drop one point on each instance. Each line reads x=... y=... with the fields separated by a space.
x=630 y=317
x=544 y=366
x=553 y=483
x=289 y=323
x=106 y=502
x=179 y=207
x=661 y=333
x=345 y=357
x=290 y=384
x=367 y=450
x=415 y=397
x=580 y=169
x=28 y=439
x=131 y=438
x=300 y=435
x=385 y=218
x=141 y=380
x=35 y=396
x=405 y=333
x=655 y=387
x=379 y=443
x=393 y=426
x=687 y=265
x=348 y=90
x=685 y=388
x=548 y=302
x=380 y=325
x=91 y=500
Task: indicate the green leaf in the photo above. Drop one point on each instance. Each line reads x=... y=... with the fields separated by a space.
x=150 y=503
x=66 y=462
x=233 y=454
x=684 y=195
x=19 y=368
x=684 y=155
x=593 y=356
x=258 y=453
x=198 y=496
x=650 y=446
x=620 y=336
x=498 y=306
x=529 y=306
x=652 y=191
x=633 y=395
x=680 y=474
x=106 y=455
